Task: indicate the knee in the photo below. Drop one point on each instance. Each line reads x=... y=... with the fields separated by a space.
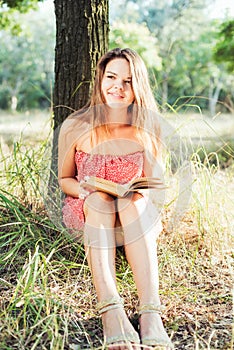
x=100 y=203
x=138 y=209
x=133 y=200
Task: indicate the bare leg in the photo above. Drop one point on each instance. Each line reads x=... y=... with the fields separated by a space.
x=99 y=237
x=141 y=228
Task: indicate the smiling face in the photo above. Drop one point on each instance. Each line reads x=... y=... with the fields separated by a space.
x=117 y=83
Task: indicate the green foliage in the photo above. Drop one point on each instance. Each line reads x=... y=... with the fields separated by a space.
x=9 y=9
x=192 y=72
x=26 y=63
x=184 y=38
x=20 y=5
x=221 y=156
x=5 y=97
x=8 y=21
x=137 y=36
x=156 y=14
x=224 y=49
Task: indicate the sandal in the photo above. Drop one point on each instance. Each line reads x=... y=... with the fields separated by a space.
x=155 y=343
x=129 y=338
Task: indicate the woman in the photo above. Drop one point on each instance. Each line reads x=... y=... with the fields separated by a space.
x=118 y=138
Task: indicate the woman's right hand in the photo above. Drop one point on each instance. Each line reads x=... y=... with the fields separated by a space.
x=83 y=191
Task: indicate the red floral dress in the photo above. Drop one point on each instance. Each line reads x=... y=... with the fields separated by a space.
x=120 y=169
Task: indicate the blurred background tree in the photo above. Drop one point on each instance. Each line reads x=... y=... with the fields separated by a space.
x=27 y=62
x=185 y=37
x=224 y=48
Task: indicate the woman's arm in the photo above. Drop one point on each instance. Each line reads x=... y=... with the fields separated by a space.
x=153 y=166
x=66 y=160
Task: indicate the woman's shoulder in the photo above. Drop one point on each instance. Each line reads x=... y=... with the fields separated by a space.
x=73 y=124
x=74 y=131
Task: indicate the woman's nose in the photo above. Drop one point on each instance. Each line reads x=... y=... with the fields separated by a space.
x=118 y=84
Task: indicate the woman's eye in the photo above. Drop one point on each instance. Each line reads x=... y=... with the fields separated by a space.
x=110 y=76
x=128 y=81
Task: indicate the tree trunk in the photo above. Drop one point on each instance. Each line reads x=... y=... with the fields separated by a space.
x=81 y=38
x=214 y=92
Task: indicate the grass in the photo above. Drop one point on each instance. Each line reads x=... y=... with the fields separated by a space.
x=47 y=297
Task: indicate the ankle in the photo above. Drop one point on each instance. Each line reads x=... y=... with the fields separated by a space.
x=150 y=299
x=109 y=304
x=151 y=308
x=116 y=325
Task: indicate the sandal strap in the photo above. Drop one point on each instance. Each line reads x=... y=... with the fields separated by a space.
x=148 y=308
x=159 y=343
x=130 y=337
x=109 y=304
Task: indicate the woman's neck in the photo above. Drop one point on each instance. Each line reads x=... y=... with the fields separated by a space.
x=118 y=116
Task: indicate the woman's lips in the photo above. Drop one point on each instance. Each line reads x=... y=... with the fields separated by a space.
x=117 y=96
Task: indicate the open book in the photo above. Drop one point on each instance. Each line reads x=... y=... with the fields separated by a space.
x=120 y=190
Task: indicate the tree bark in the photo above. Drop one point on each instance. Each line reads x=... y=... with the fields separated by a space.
x=81 y=38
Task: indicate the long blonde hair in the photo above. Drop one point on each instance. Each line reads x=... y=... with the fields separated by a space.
x=144 y=109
